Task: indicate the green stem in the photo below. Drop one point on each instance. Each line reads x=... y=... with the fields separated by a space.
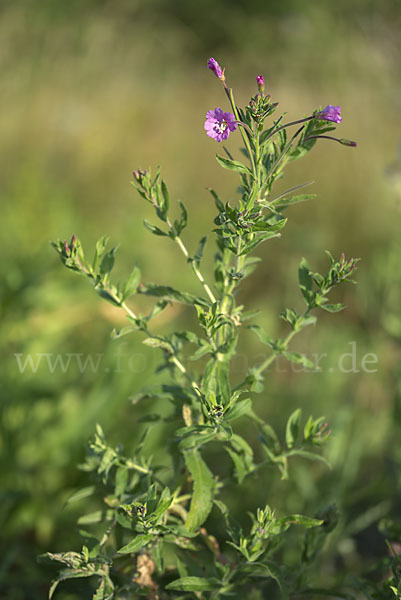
x=230 y=288
x=287 y=125
x=230 y=96
x=266 y=363
x=284 y=152
x=186 y=253
x=257 y=160
x=183 y=370
x=263 y=366
x=193 y=265
x=174 y=359
x=223 y=308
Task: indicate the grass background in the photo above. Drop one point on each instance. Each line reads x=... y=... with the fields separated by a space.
x=92 y=89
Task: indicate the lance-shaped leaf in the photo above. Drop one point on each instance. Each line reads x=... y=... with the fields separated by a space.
x=292 y=429
x=136 y=544
x=199 y=251
x=262 y=237
x=282 y=203
x=169 y=293
x=282 y=524
x=154 y=229
x=305 y=281
x=241 y=407
x=194 y=584
x=181 y=223
x=333 y=308
x=131 y=284
x=299 y=359
x=68 y=574
x=107 y=263
x=233 y=165
x=262 y=335
x=203 y=490
x=99 y=251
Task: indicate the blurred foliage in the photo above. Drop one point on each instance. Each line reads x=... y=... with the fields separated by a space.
x=92 y=89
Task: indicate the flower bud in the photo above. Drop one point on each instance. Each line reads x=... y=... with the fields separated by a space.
x=261 y=83
x=350 y=143
x=67 y=250
x=214 y=66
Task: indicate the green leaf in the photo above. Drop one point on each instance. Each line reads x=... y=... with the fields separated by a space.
x=151 y=499
x=284 y=202
x=131 y=284
x=222 y=381
x=264 y=338
x=202 y=497
x=199 y=251
x=241 y=445
x=180 y=224
x=156 y=342
x=136 y=544
x=270 y=440
x=169 y=293
x=241 y=407
x=204 y=349
x=233 y=165
x=100 y=248
x=299 y=359
x=263 y=237
x=333 y=308
x=219 y=204
x=241 y=467
x=194 y=584
x=93 y=517
x=68 y=574
x=121 y=480
x=106 y=296
x=197 y=439
x=164 y=503
x=281 y=525
x=311 y=456
x=305 y=281
x=265 y=569
x=154 y=229
x=115 y=335
x=292 y=429
x=166 y=203
x=107 y=263
x=80 y=494
x=105 y=590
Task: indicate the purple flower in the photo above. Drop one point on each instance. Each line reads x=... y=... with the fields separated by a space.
x=330 y=113
x=261 y=82
x=214 y=66
x=218 y=124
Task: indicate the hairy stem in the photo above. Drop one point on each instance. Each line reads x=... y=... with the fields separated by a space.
x=193 y=265
x=230 y=95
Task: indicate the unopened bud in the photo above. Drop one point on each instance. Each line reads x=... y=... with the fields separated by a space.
x=140 y=174
x=67 y=248
x=350 y=143
x=261 y=83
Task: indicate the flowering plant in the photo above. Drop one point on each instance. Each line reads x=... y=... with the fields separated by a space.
x=154 y=534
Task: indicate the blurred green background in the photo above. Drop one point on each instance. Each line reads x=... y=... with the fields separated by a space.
x=92 y=89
